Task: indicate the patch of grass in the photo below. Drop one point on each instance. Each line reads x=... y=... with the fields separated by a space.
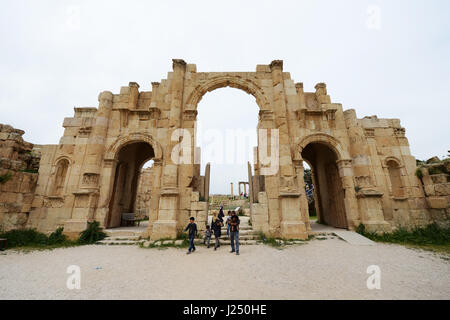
x=30 y=239
x=270 y=241
x=431 y=235
x=29 y=171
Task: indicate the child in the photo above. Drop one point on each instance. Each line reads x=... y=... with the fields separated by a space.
x=207 y=237
x=192 y=227
x=228 y=223
x=217 y=229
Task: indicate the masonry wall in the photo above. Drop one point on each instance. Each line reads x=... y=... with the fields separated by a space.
x=435 y=181
x=19 y=165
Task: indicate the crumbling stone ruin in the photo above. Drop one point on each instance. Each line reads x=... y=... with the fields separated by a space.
x=434 y=176
x=19 y=165
x=362 y=169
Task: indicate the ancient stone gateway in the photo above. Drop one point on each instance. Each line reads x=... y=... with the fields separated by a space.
x=363 y=168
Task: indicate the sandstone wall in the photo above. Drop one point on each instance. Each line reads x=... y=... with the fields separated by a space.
x=19 y=165
x=435 y=178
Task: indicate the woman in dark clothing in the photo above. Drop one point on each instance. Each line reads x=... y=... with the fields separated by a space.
x=221 y=214
x=216 y=227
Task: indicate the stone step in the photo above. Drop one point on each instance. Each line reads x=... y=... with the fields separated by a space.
x=121 y=233
x=228 y=242
x=241 y=236
x=117 y=242
x=115 y=237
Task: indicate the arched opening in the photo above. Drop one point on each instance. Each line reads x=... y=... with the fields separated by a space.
x=130 y=160
x=144 y=190
x=309 y=190
x=60 y=177
x=327 y=185
x=226 y=133
x=396 y=179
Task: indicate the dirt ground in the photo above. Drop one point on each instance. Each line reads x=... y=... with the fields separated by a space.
x=319 y=269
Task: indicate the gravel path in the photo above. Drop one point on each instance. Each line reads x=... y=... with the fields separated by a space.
x=320 y=269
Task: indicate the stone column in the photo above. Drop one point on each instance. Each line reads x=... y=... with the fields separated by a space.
x=350 y=203
x=166 y=225
x=155 y=195
x=232 y=194
x=292 y=226
x=97 y=141
x=87 y=196
x=368 y=195
x=299 y=173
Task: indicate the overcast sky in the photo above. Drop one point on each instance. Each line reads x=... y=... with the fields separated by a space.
x=389 y=58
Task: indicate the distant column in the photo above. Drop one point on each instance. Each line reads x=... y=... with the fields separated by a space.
x=232 y=195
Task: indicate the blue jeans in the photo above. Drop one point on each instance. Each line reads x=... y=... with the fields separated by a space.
x=191 y=244
x=234 y=237
x=228 y=230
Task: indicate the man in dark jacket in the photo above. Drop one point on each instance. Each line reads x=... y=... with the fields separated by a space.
x=217 y=229
x=234 y=232
x=192 y=227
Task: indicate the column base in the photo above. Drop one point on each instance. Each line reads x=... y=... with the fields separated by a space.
x=293 y=230
x=377 y=226
x=164 y=229
x=73 y=228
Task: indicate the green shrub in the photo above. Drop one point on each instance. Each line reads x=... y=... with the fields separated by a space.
x=432 y=234
x=419 y=173
x=57 y=237
x=32 y=238
x=5 y=177
x=435 y=170
x=92 y=234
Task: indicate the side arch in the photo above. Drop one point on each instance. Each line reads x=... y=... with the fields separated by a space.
x=323 y=138
x=131 y=138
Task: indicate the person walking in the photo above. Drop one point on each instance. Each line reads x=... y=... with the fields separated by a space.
x=221 y=214
x=207 y=238
x=234 y=233
x=228 y=223
x=192 y=227
x=217 y=229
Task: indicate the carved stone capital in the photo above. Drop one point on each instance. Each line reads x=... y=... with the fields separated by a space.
x=178 y=63
x=189 y=114
x=276 y=64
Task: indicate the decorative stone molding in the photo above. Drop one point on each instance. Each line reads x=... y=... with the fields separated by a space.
x=180 y=63
x=266 y=115
x=53 y=202
x=392 y=158
x=90 y=180
x=134 y=137
x=369 y=132
x=324 y=138
x=399 y=132
x=232 y=81
x=190 y=115
x=365 y=193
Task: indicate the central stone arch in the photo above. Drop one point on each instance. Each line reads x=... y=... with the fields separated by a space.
x=233 y=81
